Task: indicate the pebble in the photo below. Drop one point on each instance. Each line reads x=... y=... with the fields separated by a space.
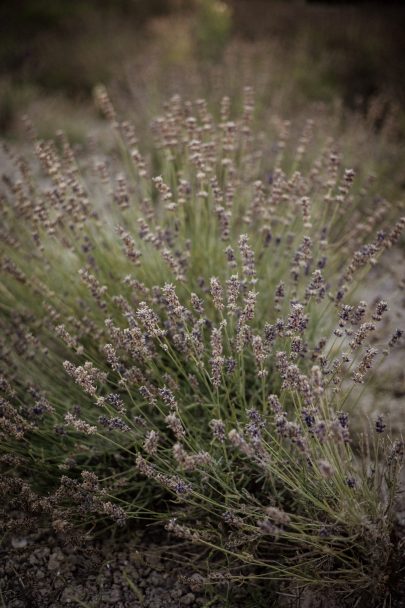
x=196 y=582
x=187 y=599
x=115 y=595
x=18 y=543
x=55 y=560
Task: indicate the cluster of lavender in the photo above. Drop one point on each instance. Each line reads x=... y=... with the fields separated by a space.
x=195 y=334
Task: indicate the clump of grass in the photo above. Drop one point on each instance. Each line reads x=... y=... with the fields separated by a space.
x=180 y=340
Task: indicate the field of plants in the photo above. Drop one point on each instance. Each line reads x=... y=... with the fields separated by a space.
x=202 y=319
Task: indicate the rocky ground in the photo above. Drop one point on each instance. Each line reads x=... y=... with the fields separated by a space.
x=39 y=570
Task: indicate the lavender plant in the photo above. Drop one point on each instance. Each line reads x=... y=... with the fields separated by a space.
x=180 y=337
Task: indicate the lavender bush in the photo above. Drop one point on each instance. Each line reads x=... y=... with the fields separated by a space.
x=180 y=342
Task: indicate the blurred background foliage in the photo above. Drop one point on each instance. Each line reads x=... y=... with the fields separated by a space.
x=59 y=50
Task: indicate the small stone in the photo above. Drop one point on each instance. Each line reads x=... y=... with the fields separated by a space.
x=154 y=578
x=187 y=599
x=196 y=582
x=59 y=583
x=55 y=560
x=18 y=543
x=176 y=593
x=115 y=595
x=33 y=560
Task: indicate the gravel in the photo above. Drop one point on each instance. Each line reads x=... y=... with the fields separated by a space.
x=40 y=570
